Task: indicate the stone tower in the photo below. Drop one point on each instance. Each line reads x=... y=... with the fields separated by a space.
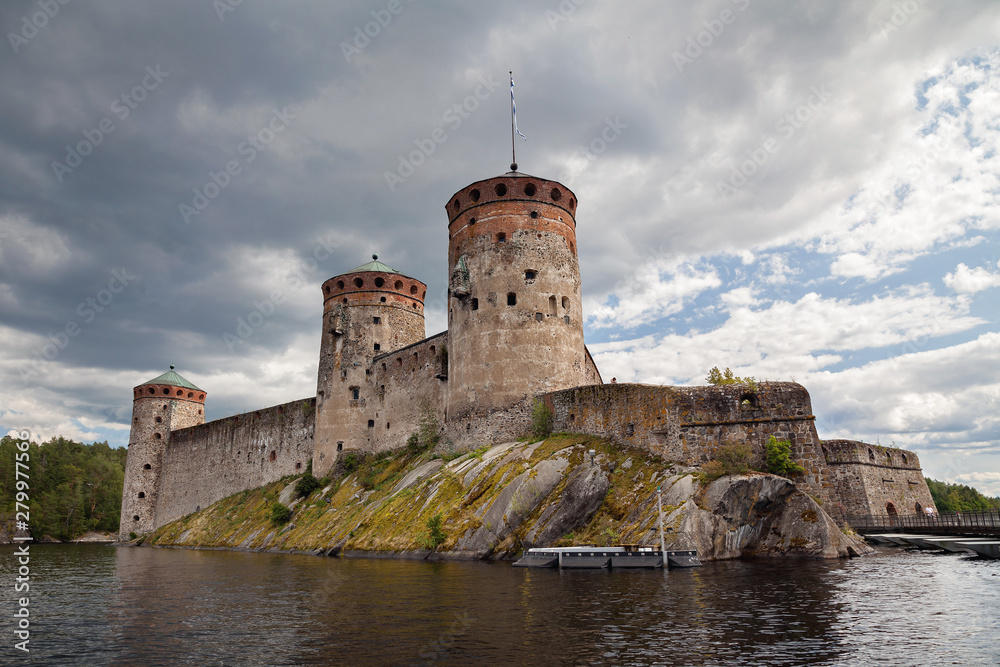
x=159 y=406
x=514 y=309
x=370 y=310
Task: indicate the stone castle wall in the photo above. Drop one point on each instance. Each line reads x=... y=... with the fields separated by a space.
x=206 y=463
x=870 y=479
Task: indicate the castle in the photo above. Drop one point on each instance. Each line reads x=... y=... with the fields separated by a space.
x=515 y=336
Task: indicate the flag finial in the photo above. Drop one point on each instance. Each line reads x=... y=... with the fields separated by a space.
x=513 y=125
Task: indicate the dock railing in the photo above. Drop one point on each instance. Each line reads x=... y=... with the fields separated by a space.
x=985 y=522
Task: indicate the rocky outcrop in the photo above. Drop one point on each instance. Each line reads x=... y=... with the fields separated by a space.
x=762 y=515
x=497 y=501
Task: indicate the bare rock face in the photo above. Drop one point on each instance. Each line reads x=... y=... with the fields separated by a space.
x=518 y=499
x=584 y=492
x=762 y=515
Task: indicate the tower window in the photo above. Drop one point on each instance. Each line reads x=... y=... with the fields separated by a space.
x=157 y=436
x=376 y=320
x=371 y=423
x=355 y=393
x=555 y=194
x=142 y=494
x=377 y=347
x=565 y=303
x=158 y=419
x=539 y=317
x=534 y=215
x=501 y=237
x=529 y=275
x=340 y=445
x=511 y=299
x=298 y=465
x=475 y=304
x=500 y=189
x=382 y=299
x=552 y=305
x=340 y=284
x=398 y=284
x=135 y=518
x=529 y=189
x=344 y=301
x=472 y=221
x=147 y=467
x=274 y=456
x=566 y=319
x=379 y=282
x=358 y=282
x=475 y=195
x=413 y=289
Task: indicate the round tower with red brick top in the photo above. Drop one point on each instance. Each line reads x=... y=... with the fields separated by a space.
x=515 y=324
x=370 y=310
x=166 y=403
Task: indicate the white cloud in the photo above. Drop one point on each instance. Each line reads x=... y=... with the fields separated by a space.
x=969 y=281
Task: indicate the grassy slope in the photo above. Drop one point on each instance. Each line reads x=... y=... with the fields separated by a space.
x=362 y=513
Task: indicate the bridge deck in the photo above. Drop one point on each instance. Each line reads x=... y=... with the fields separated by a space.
x=984 y=524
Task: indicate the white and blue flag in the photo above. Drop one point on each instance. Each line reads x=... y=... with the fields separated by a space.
x=513 y=108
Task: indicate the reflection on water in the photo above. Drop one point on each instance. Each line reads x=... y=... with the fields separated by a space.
x=100 y=605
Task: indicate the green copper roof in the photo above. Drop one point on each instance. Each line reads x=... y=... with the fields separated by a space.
x=378 y=266
x=173 y=379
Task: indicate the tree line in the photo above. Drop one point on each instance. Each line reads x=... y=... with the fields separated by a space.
x=959 y=497
x=72 y=488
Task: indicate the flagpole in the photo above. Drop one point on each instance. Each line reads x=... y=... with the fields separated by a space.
x=513 y=156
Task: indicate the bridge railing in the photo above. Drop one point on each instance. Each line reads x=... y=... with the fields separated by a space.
x=985 y=522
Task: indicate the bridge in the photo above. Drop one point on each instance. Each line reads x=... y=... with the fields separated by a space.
x=970 y=524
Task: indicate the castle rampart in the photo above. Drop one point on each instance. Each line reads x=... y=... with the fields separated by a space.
x=206 y=463
x=871 y=479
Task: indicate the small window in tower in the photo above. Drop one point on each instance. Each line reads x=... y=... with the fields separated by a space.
x=136 y=420
x=298 y=465
x=475 y=304
x=355 y=393
x=501 y=237
x=387 y=426
x=135 y=518
x=871 y=455
x=529 y=189
x=539 y=317
x=340 y=445
x=565 y=303
x=340 y=284
x=147 y=467
x=166 y=391
x=344 y=301
x=555 y=194
x=379 y=282
x=158 y=420
x=382 y=299
x=377 y=347
x=572 y=202
x=511 y=299
x=371 y=423
x=552 y=305
x=383 y=367
x=500 y=189
x=529 y=275
x=475 y=195
x=190 y=394
x=326 y=289
x=199 y=412
x=358 y=282
x=534 y=215
x=399 y=362
x=433 y=350
x=274 y=456
x=376 y=320
x=142 y=494
x=472 y=221
x=157 y=436
x=566 y=319
x=413 y=289
x=398 y=284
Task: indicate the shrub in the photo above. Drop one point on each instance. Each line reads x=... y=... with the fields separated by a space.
x=429 y=429
x=719 y=378
x=541 y=420
x=729 y=460
x=132 y=535
x=307 y=483
x=435 y=535
x=351 y=463
x=280 y=514
x=779 y=458
x=413 y=443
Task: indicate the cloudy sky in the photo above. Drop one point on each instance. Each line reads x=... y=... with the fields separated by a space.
x=797 y=190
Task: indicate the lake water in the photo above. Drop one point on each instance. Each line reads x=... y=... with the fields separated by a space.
x=101 y=605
